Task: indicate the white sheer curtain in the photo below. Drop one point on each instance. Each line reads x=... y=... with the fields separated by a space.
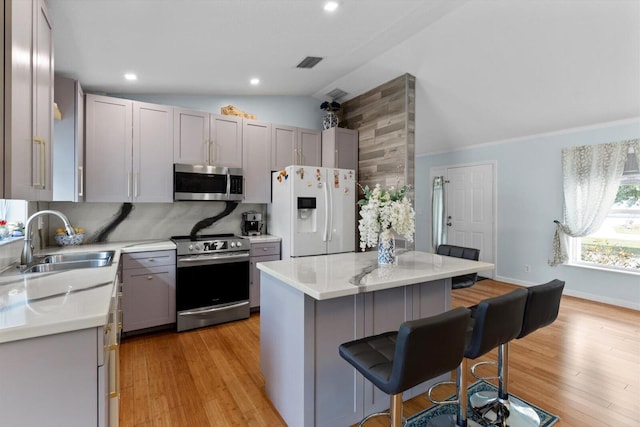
x=591 y=177
x=438 y=228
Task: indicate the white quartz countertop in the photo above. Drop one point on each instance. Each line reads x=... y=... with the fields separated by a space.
x=38 y=304
x=331 y=276
x=264 y=238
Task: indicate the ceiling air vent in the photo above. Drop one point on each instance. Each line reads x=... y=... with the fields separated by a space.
x=336 y=93
x=309 y=62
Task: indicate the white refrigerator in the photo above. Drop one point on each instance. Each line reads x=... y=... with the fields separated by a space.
x=313 y=210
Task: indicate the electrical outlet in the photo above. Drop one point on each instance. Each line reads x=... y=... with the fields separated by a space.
x=40 y=223
x=527 y=268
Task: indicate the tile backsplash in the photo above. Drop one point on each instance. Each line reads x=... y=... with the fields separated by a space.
x=148 y=221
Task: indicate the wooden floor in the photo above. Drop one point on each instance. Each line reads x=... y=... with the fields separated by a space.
x=585 y=367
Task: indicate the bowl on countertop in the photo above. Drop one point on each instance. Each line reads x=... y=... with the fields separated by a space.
x=66 y=240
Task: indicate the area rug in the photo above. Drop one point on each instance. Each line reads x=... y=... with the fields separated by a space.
x=422 y=419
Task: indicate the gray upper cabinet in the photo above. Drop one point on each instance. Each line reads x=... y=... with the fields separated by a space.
x=129 y=151
x=256 y=141
x=4 y=25
x=202 y=138
x=340 y=148
x=68 y=136
x=284 y=140
x=295 y=146
x=191 y=136
x=28 y=99
x=226 y=140
x=309 y=147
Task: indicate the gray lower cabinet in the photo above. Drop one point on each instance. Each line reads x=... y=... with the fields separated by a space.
x=67 y=379
x=260 y=252
x=148 y=289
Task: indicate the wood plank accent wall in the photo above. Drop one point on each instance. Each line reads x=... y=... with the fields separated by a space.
x=385 y=120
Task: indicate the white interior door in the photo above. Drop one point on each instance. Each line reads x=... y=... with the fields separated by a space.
x=469 y=198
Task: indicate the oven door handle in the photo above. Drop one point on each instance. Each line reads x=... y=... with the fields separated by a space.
x=216 y=259
x=211 y=310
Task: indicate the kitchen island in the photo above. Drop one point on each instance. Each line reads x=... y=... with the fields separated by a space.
x=310 y=305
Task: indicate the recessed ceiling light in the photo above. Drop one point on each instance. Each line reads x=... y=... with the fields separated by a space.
x=254 y=81
x=330 y=6
x=130 y=76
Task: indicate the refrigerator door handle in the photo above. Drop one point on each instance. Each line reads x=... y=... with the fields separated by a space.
x=330 y=214
x=325 y=235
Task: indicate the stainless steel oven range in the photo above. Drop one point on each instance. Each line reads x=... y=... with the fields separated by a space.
x=212 y=280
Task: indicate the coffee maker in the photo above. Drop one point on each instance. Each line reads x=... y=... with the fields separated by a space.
x=251 y=223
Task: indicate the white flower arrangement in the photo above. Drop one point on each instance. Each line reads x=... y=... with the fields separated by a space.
x=383 y=212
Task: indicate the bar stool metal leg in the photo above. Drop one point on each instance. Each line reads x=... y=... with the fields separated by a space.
x=396 y=410
x=498 y=408
x=394 y=413
x=460 y=418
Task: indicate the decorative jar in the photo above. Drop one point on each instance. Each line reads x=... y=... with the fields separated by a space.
x=386 y=248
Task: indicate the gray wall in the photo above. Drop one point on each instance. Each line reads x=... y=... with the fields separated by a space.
x=299 y=111
x=529 y=198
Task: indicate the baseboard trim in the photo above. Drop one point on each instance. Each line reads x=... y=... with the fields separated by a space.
x=577 y=294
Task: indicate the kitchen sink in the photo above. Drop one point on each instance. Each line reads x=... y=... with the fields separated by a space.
x=75 y=256
x=70 y=261
x=67 y=265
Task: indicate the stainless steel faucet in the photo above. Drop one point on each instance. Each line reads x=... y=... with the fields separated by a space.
x=26 y=257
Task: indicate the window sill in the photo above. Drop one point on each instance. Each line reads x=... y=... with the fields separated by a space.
x=609 y=270
x=10 y=240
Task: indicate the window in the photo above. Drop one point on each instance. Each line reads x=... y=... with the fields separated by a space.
x=13 y=214
x=616 y=245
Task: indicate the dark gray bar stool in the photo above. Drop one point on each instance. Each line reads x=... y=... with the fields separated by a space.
x=494 y=321
x=541 y=309
x=466 y=280
x=420 y=350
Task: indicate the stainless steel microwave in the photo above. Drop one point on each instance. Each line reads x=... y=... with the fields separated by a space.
x=204 y=182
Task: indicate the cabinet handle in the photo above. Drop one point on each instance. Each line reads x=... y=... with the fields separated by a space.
x=42 y=162
x=116 y=392
x=136 y=184
x=265 y=249
x=129 y=185
x=81 y=179
x=213 y=154
x=149 y=277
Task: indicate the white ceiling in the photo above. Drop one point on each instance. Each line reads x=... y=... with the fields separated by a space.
x=216 y=46
x=486 y=70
